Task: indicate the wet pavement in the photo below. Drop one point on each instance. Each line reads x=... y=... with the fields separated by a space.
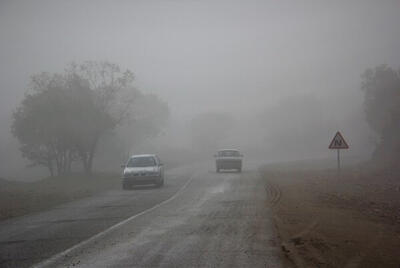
x=199 y=219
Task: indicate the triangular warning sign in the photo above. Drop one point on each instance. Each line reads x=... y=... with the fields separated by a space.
x=338 y=142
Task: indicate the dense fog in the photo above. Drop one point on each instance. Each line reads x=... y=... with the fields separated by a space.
x=275 y=79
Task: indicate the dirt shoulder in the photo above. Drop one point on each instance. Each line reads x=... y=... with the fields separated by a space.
x=329 y=221
x=20 y=198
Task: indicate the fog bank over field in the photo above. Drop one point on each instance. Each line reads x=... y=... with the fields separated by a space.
x=274 y=79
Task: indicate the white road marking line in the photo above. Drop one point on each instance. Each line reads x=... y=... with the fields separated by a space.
x=58 y=256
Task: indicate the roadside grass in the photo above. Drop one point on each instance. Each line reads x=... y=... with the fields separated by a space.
x=326 y=220
x=20 y=198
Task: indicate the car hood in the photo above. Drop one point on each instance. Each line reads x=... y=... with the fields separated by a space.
x=140 y=169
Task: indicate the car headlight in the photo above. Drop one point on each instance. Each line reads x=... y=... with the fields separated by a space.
x=154 y=173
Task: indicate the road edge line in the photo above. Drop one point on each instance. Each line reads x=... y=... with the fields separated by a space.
x=64 y=253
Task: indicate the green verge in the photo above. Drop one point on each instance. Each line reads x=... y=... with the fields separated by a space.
x=20 y=198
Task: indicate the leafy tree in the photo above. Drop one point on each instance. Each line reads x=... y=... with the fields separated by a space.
x=39 y=124
x=381 y=86
x=148 y=117
x=108 y=100
x=64 y=116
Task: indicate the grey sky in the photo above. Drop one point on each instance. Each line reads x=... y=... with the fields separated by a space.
x=197 y=53
x=239 y=57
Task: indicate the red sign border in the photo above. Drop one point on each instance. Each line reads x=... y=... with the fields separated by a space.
x=345 y=143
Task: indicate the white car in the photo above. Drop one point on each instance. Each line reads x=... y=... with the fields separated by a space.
x=228 y=159
x=143 y=169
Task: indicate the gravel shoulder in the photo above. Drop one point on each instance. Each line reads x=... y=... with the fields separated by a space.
x=328 y=221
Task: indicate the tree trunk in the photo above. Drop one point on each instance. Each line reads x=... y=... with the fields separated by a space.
x=86 y=163
x=90 y=158
x=50 y=167
x=64 y=162
x=89 y=163
x=69 y=162
x=87 y=155
x=58 y=158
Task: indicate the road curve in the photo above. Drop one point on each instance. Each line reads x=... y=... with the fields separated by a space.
x=218 y=220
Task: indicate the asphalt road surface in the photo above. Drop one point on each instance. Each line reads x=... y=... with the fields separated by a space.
x=199 y=219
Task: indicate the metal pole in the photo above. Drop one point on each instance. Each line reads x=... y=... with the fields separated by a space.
x=338 y=161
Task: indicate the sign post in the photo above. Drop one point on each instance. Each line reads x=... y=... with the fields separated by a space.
x=338 y=143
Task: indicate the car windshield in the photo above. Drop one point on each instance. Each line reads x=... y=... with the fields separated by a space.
x=147 y=161
x=228 y=153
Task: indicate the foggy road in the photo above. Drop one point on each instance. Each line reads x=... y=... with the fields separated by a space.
x=184 y=89
x=202 y=219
